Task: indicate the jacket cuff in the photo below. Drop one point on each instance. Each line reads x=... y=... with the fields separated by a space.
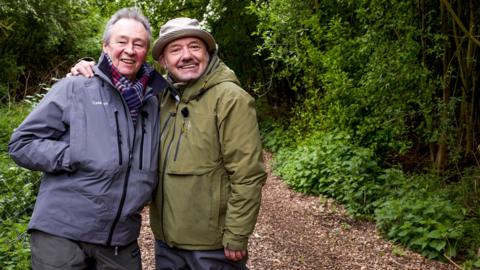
x=234 y=242
x=65 y=162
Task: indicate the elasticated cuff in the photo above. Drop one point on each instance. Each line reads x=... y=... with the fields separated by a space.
x=235 y=242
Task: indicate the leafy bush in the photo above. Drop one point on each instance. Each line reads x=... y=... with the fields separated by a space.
x=370 y=74
x=10 y=117
x=414 y=211
x=330 y=165
x=18 y=188
x=14 y=244
x=426 y=223
x=275 y=136
x=43 y=39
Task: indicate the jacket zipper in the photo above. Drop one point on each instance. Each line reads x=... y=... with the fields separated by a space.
x=119 y=140
x=122 y=201
x=125 y=180
x=144 y=115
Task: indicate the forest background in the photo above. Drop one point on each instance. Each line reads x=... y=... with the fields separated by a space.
x=374 y=103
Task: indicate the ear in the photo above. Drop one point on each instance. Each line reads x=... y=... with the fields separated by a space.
x=104 y=47
x=161 y=61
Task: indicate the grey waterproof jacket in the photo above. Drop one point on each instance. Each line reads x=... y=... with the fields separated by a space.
x=99 y=170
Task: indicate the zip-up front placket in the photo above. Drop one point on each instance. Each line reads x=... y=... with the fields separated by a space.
x=127 y=174
x=122 y=200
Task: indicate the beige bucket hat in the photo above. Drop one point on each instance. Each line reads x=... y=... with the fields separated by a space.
x=179 y=28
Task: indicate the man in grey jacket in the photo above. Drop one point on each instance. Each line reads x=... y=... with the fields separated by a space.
x=96 y=140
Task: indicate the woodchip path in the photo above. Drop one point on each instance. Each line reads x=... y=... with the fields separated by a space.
x=296 y=231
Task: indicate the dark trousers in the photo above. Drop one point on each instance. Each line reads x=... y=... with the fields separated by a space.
x=51 y=252
x=167 y=258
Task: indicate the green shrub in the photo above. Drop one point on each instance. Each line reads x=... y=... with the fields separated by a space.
x=275 y=136
x=426 y=223
x=331 y=166
x=10 y=117
x=417 y=212
x=18 y=189
x=14 y=244
x=466 y=193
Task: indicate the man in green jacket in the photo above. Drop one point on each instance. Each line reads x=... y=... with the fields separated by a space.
x=211 y=162
x=211 y=167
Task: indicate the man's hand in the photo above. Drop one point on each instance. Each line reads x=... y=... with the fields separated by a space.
x=235 y=255
x=83 y=68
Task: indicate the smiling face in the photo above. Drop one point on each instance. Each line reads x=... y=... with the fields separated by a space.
x=185 y=59
x=127 y=46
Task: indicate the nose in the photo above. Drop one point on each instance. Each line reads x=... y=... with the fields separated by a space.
x=186 y=54
x=129 y=49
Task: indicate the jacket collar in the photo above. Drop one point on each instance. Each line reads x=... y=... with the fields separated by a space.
x=156 y=83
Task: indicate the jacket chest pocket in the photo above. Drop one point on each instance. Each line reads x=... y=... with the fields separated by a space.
x=195 y=148
x=95 y=138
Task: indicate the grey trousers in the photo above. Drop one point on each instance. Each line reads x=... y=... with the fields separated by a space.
x=167 y=258
x=51 y=252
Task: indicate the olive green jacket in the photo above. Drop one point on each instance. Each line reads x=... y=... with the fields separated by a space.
x=211 y=166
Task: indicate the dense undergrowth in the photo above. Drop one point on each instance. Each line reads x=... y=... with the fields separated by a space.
x=421 y=211
x=382 y=114
x=18 y=189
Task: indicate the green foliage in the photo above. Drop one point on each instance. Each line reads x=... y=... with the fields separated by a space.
x=328 y=164
x=14 y=244
x=419 y=212
x=466 y=193
x=427 y=216
x=18 y=189
x=275 y=136
x=355 y=65
x=10 y=117
x=231 y=26
x=427 y=223
x=42 y=40
x=368 y=86
x=158 y=12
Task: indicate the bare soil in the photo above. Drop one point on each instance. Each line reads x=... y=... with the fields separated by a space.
x=296 y=231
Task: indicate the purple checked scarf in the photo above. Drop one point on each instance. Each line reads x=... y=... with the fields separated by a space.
x=133 y=92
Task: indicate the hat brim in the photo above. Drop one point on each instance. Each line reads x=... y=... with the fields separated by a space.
x=160 y=43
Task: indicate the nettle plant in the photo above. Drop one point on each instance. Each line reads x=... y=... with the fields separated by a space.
x=424 y=222
x=329 y=165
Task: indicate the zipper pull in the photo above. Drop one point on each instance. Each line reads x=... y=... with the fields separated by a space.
x=116 y=250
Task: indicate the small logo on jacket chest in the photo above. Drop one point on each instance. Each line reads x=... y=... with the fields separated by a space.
x=99 y=103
